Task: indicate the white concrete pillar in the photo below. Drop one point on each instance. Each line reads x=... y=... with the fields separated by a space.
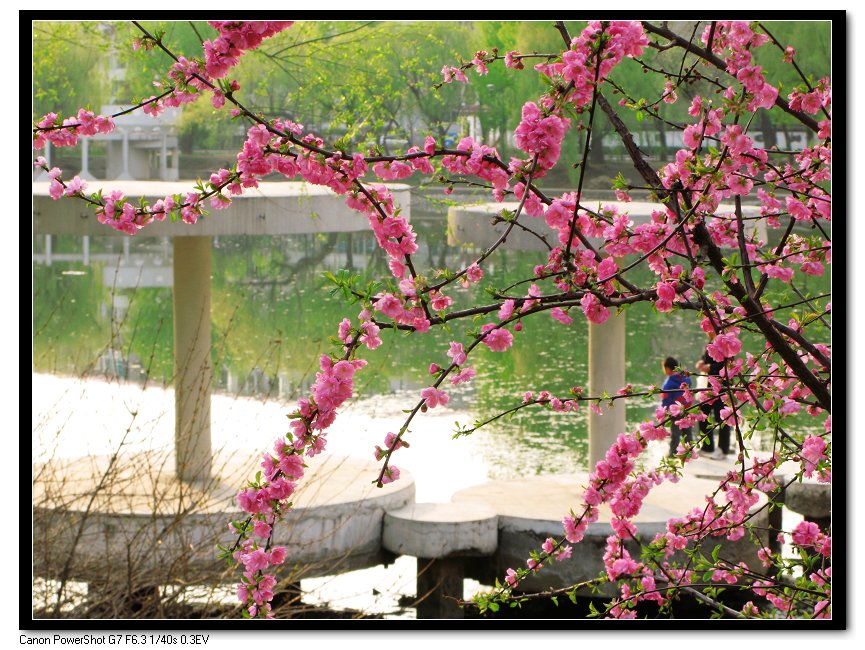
x=193 y=372
x=163 y=158
x=284 y=384
x=85 y=160
x=606 y=373
x=125 y=175
x=175 y=164
x=41 y=175
x=233 y=383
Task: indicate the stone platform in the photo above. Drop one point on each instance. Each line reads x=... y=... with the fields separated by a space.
x=531 y=509
x=100 y=518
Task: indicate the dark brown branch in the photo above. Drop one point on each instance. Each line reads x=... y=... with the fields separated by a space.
x=708 y=56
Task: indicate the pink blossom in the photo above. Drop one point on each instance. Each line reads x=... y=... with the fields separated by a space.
x=812 y=267
x=456 y=353
x=564 y=553
x=513 y=60
x=797 y=209
x=740 y=185
x=440 y=302
x=574 y=530
x=55 y=189
x=75 y=186
x=541 y=135
x=393 y=442
x=370 y=337
x=497 y=339
x=789 y=407
x=806 y=533
x=783 y=273
x=506 y=310
x=434 y=397
x=813 y=451
x=724 y=346
x=474 y=273
x=291 y=465
x=344 y=332
x=666 y=295
x=391 y=474
x=559 y=314
x=261 y=528
x=253 y=501
x=389 y=305
x=478 y=62
x=670 y=96
x=463 y=376
x=593 y=309
x=256 y=560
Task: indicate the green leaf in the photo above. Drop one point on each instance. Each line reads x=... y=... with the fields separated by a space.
x=620 y=182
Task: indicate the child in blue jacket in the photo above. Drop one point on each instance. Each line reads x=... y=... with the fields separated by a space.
x=672 y=393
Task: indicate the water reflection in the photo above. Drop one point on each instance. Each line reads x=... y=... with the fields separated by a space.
x=109 y=316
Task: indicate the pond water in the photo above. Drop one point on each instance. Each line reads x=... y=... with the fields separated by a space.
x=273 y=316
x=109 y=321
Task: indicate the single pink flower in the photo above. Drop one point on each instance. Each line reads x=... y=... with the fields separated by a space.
x=593 y=309
x=434 y=397
x=497 y=339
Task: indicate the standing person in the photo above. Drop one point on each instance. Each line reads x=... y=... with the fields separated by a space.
x=672 y=392
x=712 y=408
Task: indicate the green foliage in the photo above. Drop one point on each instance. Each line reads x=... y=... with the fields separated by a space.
x=69 y=61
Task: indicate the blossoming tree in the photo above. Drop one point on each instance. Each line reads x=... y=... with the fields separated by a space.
x=712 y=263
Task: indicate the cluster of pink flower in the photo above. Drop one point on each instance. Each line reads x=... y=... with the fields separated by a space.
x=814 y=452
x=262 y=501
x=610 y=483
x=84 y=124
x=451 y=73
x=190 y=78
x=814 y=101
x=638 y=580
x=258 y=585
x=480 y=162
x=368 y=332
x=265 y=500
x=224 y=52
x=737 y=41
x=56 y=188
x=608 y=44
x=558 y=404
x=810 y=540
x=541 y=135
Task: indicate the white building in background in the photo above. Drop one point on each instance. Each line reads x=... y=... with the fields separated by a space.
x=141 y=147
